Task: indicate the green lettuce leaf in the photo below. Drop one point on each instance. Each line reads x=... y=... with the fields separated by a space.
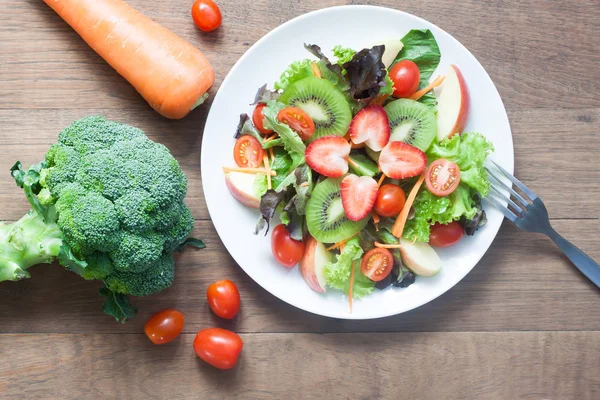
x=337 y=272
x=421 y=47
x=430 y=209
x=343 y=54
x=469 y=151
x=303 y=69
x=290 y=139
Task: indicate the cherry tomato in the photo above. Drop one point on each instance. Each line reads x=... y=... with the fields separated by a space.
x=442 y=177
x=224 y=299
x=406 y=77
x=206 y=15
x=218 y=347
x=287 y=251
x=446 y=235
x=298 y=120
x=258 y=119
x=390 y=200
x=377 y=264
x=164 y=326
x=248 y=152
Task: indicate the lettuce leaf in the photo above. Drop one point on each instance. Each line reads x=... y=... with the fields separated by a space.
x=469 y=151
x=421 y=47
x=290 y=139
x=337 y=272
x=303 y=69
x=343 y=54
x=245 y=127
x=366 y=74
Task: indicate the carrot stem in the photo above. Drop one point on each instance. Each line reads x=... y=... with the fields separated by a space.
x=432 y=85
x=398 y=227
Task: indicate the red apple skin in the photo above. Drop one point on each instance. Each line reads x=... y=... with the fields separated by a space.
x=241 y=196
x=307 y=265
x=463 y=112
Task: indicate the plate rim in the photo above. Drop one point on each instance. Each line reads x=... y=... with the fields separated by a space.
x=509 y=165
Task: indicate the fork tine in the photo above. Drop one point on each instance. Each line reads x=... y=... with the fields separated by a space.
x=507 y=198
x=524 y=202
x=507 y=213
x=517 y=182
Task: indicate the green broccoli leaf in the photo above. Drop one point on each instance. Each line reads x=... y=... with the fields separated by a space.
x=67 y=259
x=191 y=242
x=117 y=305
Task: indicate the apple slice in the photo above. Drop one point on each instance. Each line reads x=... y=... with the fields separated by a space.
x=312 y=265
x=241 y=186
x=420 y=257
x=453 y=105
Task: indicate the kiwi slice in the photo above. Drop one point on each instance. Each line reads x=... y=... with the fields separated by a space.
x=323 y=102
x=325 y=216
x=411 y=122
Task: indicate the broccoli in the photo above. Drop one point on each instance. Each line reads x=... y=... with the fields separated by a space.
x=107 y=203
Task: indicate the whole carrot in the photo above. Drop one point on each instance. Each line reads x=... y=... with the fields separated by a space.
x=170 y=74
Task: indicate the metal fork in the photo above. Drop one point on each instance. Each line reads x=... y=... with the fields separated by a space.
x=531 y=216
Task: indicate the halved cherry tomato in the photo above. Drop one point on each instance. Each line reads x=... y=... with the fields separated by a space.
x=206 y=15
x=442 y=177
x=223 y=298
x=390 y=200
x=164 y=326
x=248 y=152
x=218 y=347
x=298 y=120
x=377 y=264
x=287 y=251
x=258 y=119
x=446 y=235
x=406 y=76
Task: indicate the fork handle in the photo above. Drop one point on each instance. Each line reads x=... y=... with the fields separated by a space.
x=582 y=261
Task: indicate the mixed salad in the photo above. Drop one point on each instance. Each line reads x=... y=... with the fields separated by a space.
x=365 y=162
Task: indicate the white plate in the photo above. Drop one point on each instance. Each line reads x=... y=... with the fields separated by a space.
x=355 y=27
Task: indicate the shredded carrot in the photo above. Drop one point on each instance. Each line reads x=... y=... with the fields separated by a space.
x=433 y=84
x=375 y=220
x=315 y=70
x=380 y=99
x=398 y=227
x=355 y=165
x=272 y=155
x=342 y=246
x=269 y=138
x=341 y=243
x=356 y=146
x=304 y=184
x=380 y=180
x=387 y=246
x=268 y=168
x=249 y=170
x=351 y=287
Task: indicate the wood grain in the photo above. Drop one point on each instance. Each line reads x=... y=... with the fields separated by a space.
x=524 y=324
x=522 y=283
x=528 y=365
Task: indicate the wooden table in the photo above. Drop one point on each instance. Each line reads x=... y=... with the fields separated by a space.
x=523 y=324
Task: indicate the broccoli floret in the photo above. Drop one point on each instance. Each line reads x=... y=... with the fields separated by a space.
x=110 y=201
x=158 y=277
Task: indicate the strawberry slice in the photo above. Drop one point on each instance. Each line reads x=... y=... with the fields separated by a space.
x=399 y=160
x=358 y=196
x=328 y=156
x=371 y=127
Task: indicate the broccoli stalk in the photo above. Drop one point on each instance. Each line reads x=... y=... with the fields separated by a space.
x=107 y=203
x=29 y=241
